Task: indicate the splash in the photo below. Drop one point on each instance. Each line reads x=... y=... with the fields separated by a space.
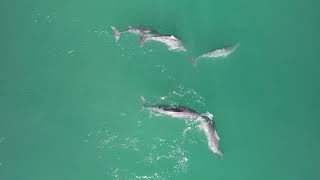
x=180 y=95
x=43 y=18
x=149 y=154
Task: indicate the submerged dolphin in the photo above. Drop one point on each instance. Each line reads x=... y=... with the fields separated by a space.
x=217 y=53
x=182 y=112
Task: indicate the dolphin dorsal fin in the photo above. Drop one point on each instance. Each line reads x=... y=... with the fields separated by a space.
x=215 y=132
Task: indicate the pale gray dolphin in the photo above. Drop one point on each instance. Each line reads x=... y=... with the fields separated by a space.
x=141 y=31
x=208 y=126
x=217 y=53
x=176 y=111
x=171 y=41
x=205 y=121
x=147 y=35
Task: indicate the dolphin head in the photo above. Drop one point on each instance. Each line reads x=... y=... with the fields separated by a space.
x=208 y=118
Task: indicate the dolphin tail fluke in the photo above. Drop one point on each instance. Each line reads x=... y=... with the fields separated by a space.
x=116 y=33
x=142 y=103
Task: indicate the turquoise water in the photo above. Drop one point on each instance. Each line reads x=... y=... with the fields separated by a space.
x=69 y=95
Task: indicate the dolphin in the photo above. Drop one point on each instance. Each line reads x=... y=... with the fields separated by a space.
x=175 y=111
x=182 y=112
x=141 y=31
x=147 y=35
x=217 y=53
x=208 y=126
x=171 y=41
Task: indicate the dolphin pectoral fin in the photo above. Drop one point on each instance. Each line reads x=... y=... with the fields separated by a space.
x=142 y=39
x=216 y=134
x=236 y=47
x=232 y=49
x=142 y=103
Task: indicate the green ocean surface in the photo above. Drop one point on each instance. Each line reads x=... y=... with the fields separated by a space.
x=69 y=94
